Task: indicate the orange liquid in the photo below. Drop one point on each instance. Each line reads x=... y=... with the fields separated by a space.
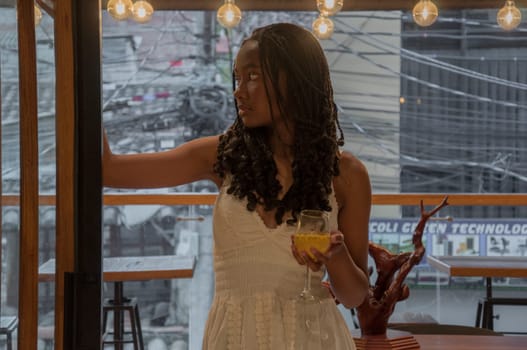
x=306 y=241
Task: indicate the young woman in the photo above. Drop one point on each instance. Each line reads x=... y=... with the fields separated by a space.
x=279 y=157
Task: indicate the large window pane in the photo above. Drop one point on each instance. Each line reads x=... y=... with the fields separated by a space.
x=10 y=118
x=438 y=109
x=9 y=57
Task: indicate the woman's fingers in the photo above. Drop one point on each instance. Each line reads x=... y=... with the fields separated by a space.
x=336 y=238
x=296 y=253
x=313 y=265
x=316 y=259
x=336 y=244
x=320 y=257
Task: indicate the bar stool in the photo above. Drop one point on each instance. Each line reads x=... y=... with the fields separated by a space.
x=482 y=305
x=485 y=310
x=119 y=306
x=7 y=327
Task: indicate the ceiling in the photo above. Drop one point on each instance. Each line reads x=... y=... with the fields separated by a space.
x=307 y=5
x=349 y=5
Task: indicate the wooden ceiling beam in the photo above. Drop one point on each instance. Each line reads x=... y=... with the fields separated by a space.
x=309 y=5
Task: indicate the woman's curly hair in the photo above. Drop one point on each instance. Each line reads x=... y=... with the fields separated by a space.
x=244 y=153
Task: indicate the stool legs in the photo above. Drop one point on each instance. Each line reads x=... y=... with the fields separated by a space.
x=484 y=314
x=7 y=326
x=139 y=330
x=9 y=341
x=134 y=328
x=478 y=313
x=488 y=317
x=130 y=306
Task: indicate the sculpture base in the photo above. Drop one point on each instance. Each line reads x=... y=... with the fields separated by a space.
x=393 y=340
x=401 y=343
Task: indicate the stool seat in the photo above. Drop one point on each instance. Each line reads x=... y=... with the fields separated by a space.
x=8 y=325
x=129 y=306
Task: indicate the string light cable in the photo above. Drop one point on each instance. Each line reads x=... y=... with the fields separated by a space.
x=433 y=85
x=427 y=163
x=430 y=61
x=152 y=49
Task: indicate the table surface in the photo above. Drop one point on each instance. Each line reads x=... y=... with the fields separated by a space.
x=135 y=268
x=470 y=342
x=454 y=341
x=483 y=266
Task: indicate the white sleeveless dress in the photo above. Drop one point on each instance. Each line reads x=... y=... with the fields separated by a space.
x=257 y=281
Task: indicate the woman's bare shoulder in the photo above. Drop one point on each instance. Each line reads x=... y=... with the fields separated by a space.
x=353 y=179
x=209 y=142
x=207 y=148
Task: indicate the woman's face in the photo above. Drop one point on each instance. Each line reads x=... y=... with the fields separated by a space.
x=250 y=95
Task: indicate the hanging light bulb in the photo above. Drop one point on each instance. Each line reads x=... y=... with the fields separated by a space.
x=323 y=27
x=229 y=15
x=509 y=16
x=119 y=9
x=142 y=11
x=425 y=13
x=38 y=16
x=329 y=7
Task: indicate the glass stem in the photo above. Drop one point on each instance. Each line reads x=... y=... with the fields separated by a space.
x=307 y=283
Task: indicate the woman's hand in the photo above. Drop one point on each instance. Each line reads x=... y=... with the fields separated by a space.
x=336 y=246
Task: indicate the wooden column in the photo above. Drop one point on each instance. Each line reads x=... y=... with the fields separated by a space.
x=83 y=293
x=28 y=275
x=65 y=156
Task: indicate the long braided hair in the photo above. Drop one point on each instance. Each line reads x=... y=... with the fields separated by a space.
x=245 y=154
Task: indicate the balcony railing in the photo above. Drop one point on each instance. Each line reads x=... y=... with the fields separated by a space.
x=455 y=199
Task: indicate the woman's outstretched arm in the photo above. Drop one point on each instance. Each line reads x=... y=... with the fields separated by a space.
x=348 y=267
x=191 y=161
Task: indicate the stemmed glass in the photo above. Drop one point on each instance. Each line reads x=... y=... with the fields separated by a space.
x=312 y=232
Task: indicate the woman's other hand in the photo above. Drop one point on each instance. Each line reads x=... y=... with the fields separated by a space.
x=336 y=245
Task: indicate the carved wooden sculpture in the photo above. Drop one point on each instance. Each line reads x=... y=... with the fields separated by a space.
x=389 y=288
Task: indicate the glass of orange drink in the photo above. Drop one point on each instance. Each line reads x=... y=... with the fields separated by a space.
x=312 y=232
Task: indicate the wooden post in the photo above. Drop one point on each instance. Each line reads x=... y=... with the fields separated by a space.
x=65 y=156
x=28 y=258
x=84 y=296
